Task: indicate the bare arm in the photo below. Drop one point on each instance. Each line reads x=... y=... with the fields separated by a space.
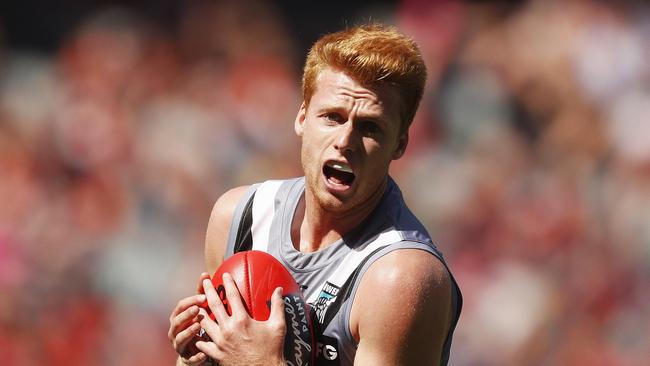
x=184 y=323
x=216 y=236
x=409 y=325
x=236 y=339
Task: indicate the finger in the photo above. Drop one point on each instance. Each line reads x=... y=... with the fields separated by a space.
x=185 y=303
x=208 y=348
x=277 y=306
x=197 y=359
x=182 y=319
x=183 y=337
x=233 y=295
x=202 y=277
x=211 y=328
x=180 y=323
x=214 y=302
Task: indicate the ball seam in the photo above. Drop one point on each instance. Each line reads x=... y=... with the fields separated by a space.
x=249 y=300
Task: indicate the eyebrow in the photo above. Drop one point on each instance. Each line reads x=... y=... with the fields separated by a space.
x=328 y=107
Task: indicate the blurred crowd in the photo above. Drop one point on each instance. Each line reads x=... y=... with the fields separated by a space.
x=529 y=163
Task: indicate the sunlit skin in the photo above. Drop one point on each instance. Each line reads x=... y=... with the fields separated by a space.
x=352 y=124
x=357 y=127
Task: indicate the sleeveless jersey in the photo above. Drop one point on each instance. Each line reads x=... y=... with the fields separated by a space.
x=329 y=277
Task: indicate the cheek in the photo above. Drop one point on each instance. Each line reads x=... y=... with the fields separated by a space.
x=308 y=154
x=376 y=151
x=314 y=141
x=379 y=158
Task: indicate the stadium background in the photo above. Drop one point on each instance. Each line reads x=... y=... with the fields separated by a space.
x=121 y=122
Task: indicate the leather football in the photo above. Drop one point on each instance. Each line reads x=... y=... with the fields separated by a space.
x=257 y=274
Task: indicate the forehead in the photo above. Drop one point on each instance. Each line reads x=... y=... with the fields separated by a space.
x=336 y=88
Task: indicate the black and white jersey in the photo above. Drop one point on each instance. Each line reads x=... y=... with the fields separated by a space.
x=330 y=277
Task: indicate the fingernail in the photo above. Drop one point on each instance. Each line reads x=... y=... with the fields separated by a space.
x=206 y=282
x=279 y=291
x=200 y=298
x=226 y=275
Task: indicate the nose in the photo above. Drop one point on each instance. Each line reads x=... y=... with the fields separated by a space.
x=345 y=140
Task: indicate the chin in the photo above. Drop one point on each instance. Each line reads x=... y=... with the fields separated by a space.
x=333 y=203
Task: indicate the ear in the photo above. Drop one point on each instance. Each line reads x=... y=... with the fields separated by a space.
x=401 y=146
x=299 y=124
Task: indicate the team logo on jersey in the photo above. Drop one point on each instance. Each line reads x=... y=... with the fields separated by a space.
x=326 y=297
x=327 y=351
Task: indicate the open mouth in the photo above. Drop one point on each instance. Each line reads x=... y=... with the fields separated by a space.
x=338 y=173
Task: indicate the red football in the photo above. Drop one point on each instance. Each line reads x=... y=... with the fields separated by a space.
x=257 y=274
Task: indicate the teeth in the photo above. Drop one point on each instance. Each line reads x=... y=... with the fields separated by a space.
x=340 y=166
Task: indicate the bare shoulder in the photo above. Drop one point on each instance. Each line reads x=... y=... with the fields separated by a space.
x=402 y=310
x=219 y=226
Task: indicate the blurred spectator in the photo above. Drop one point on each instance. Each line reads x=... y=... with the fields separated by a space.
x=529 y=162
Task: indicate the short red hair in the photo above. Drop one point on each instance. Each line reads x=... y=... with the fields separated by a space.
x=371 y=54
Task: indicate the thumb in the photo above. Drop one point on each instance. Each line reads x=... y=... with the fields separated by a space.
x=277 y=307
x=203 y=276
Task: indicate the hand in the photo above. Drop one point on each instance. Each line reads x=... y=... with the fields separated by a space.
x=238 y=339
x=184 y=327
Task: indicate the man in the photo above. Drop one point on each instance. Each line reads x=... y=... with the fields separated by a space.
x=380 y=291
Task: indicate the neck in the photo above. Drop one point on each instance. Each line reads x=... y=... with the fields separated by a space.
x=314 y=227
